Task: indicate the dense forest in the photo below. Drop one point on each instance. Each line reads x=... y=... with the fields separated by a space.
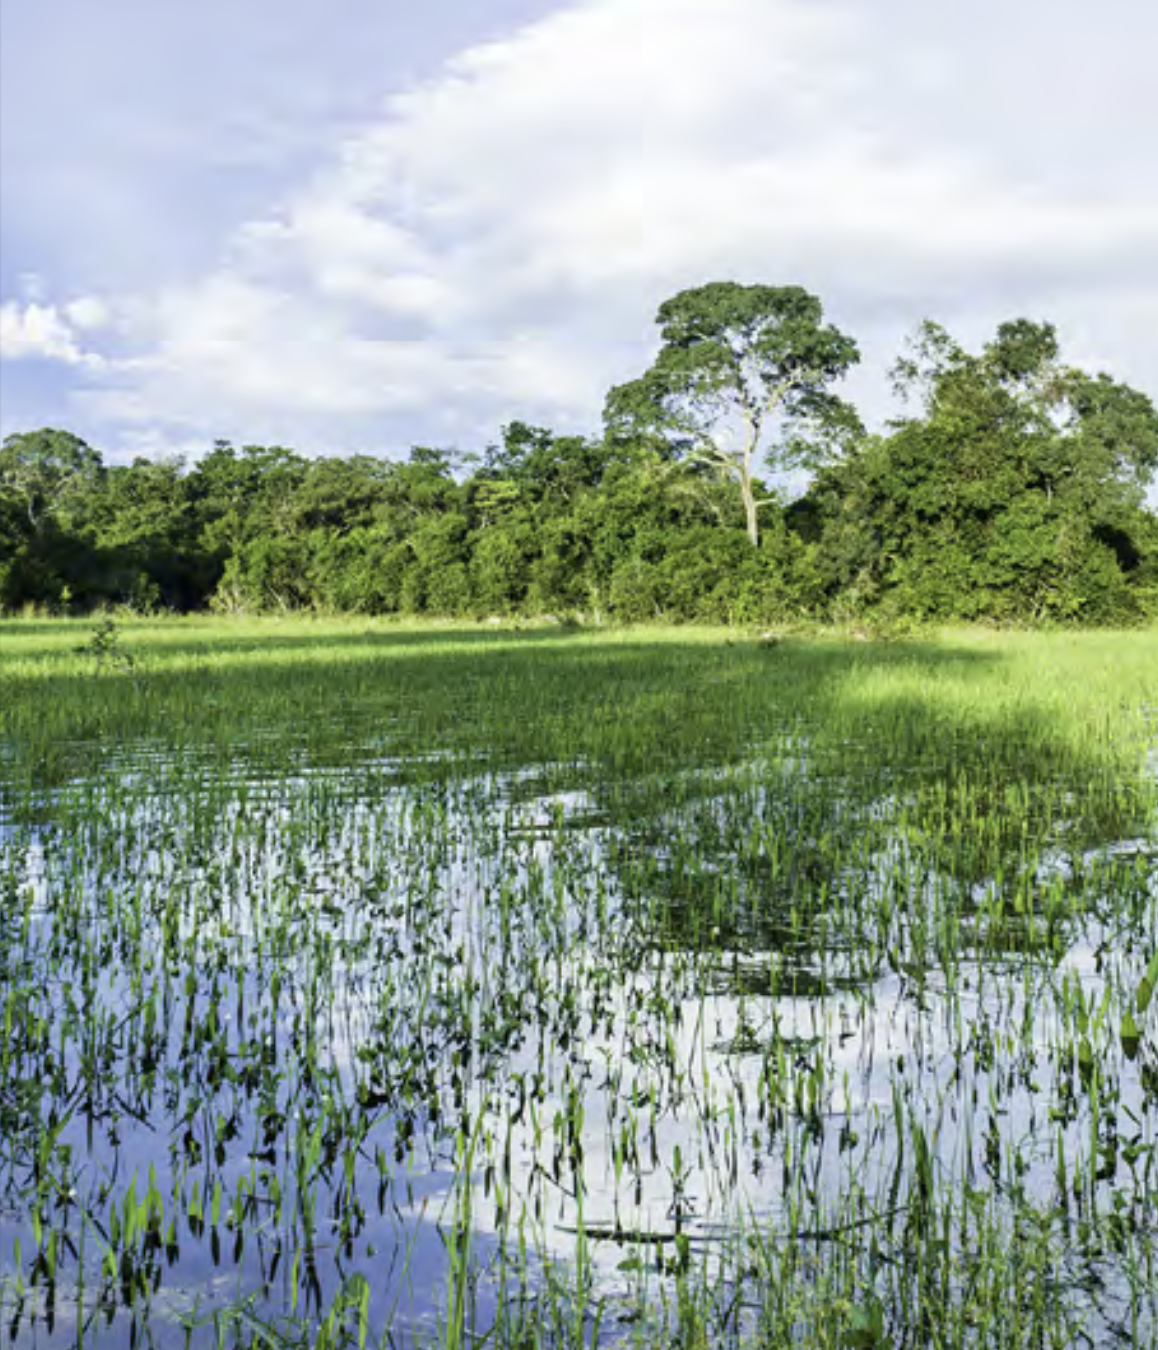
x=1012 y=489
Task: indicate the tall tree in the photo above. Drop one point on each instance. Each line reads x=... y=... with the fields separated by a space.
x=736 y=363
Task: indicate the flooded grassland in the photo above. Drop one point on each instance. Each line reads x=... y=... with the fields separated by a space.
x=364 y=985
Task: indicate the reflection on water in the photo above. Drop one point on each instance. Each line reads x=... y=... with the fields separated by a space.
x=481 y=1044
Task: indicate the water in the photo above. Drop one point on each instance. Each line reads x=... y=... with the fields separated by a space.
x=447 y=1044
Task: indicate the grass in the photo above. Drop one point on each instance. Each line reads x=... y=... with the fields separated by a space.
x=373 y=984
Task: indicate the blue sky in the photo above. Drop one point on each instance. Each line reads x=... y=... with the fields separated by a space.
x=358 y=225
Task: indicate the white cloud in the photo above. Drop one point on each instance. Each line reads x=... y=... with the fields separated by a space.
x=32 y=330
x=496 y=243
x=88 y=312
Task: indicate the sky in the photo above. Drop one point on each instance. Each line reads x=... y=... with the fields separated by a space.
x=359 y=225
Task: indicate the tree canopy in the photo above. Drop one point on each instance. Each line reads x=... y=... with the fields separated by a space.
x=736 y=360
x=1016 y=491
x=1011 y=489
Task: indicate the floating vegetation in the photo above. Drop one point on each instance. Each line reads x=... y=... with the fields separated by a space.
x=374 y=986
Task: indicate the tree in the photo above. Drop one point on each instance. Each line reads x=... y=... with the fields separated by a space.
x=146 y=530
x=1015 y=493
x=338 y=494
x=539 y=464
x=49 y=481
x=735 y=361
x=46 y=471
x=1048 y=427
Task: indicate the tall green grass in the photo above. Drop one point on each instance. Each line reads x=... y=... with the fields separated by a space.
x=372 y=984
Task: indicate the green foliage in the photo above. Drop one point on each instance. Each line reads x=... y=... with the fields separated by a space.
x=734 y=360
x=1016 y=495
x=47 y=480
x=46 y=474
x=104 y=646
x=1012 y=492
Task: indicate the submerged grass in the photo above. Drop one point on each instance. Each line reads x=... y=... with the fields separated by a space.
x=365 y=984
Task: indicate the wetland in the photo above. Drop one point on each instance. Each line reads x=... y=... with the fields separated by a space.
x=438 y=985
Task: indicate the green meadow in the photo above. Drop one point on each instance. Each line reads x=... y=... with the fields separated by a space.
x=366 y=984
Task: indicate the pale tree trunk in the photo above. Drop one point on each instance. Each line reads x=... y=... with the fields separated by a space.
x=750 y=507
x=754 y=421
x=747 y=488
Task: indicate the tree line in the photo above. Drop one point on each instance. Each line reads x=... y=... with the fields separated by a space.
x=1011 y=489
